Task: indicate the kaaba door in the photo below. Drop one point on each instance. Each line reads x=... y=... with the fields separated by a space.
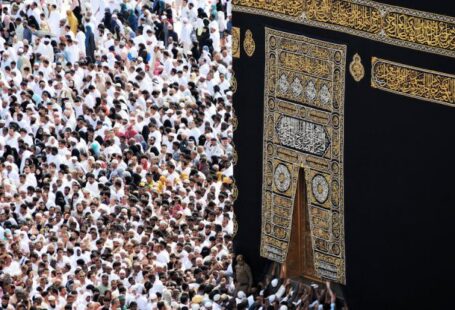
x=300 y=261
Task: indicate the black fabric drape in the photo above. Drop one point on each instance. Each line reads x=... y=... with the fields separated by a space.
x=398 y=154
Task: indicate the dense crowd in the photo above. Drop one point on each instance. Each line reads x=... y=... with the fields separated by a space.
x=117 y=154
x=117 y=159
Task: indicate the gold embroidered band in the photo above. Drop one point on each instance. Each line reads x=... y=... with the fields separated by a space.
x=413 y=82
x=376 y=21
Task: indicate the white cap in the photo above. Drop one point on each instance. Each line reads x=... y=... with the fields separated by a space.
x=274 y=282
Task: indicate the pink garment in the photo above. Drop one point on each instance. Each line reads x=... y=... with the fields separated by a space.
x=158 y=68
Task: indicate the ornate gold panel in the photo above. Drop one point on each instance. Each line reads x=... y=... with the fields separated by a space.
x=413 y=82
x=369 y=19
x=235 y=42
x=303 y=128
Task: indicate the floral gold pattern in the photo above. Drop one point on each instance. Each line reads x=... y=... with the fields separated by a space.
x=413 y=82
x=282 y=178
x=394 y=25
x=356 y=68
x=304 y=129
x=248 y=43
x=235 y=42
x=320 y=188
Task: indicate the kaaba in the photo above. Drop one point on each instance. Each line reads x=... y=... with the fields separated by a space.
x=345 y=116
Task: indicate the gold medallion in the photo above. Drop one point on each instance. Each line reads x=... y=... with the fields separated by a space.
x=356 y=68
x=248 y=43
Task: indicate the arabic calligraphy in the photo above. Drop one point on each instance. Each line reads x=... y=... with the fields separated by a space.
x=404 y=27
x=413 y=82
x=420 y=30
x=305 y=64
x=304 y=136
x=344 y=13
x=289 y=7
